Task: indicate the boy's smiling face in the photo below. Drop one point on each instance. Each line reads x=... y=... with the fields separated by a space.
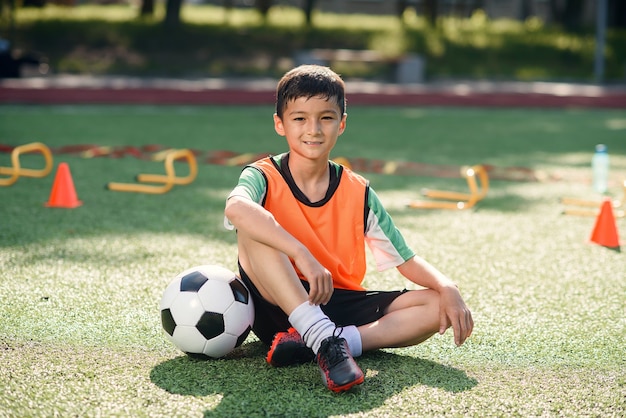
x=311 y=126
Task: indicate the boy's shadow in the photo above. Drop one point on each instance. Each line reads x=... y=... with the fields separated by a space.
x=249 y=387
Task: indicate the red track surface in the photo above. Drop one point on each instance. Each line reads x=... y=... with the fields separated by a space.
x=83 y=90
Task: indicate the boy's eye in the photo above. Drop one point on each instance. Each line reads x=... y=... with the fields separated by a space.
x=303 y=118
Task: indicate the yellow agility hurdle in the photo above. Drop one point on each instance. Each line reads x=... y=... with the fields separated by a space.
x=592 y=207
x=168 y=180
x=15 y=171
x=343 y=161
x=463 y=200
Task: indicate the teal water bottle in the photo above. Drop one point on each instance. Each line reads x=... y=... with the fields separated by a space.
x=600 y=168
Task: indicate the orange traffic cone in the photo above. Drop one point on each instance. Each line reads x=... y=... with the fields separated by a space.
x=63 y=194
x=605 y=230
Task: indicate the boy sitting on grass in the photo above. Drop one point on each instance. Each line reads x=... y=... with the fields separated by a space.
x=302 y=223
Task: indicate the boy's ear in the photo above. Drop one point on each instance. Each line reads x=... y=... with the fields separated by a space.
x=342 y=123
x=278 y=125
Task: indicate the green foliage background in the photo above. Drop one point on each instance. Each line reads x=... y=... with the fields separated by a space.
x=214 y=42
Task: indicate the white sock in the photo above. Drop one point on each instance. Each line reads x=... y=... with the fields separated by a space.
x=312 y=324
x=353 y=338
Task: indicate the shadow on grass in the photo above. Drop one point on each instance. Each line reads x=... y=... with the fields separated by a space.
x=247 y=385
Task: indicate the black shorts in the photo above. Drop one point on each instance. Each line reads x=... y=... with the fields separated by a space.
x=346 y=307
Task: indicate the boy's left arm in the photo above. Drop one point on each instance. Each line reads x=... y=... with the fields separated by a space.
x=452 y=309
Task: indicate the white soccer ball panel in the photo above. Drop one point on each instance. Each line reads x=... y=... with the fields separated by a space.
x=220 y=346
x=215 y=272
x=216 y=295
x=250 y=310
x=238 y=318
x=170 y=293
x=186 y=309
x=188 y=339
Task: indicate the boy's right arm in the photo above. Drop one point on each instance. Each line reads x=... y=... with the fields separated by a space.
x=252 y=219
x=259 y=224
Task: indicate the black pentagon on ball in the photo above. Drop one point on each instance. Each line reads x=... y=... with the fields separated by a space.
x=243 y=337
x=192 y=282
x=168 y=321
x=240 y=292
x=211 y=325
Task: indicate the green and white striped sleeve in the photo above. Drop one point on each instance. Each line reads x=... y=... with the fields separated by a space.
x=383 y=238
x=251 y=185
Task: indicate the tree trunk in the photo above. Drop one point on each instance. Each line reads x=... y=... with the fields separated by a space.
x=309 y=5
x=263 y=7
x=617 y=14
x=568 y=13
x=147 y=8
x=401 y=6
x=573 y=14
x=430 y=11
x=555 y=12
x=477 y=5
x=172 y=13
x=526 y=9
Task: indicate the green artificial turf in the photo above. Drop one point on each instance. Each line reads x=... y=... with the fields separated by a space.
x=80 y=331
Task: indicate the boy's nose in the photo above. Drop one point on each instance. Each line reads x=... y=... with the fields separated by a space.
x=314 y=128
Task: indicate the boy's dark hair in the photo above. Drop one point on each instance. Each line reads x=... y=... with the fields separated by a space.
x=310 y=81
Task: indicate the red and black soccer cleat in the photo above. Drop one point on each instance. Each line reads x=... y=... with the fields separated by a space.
x=288 y=348
x=339 y=370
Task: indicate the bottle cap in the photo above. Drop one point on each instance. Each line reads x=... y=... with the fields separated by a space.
x=601 y=148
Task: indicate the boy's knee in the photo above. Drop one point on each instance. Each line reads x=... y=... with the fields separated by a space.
x=429 y=303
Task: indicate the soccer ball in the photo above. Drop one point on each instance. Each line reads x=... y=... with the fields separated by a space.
x=207 y=311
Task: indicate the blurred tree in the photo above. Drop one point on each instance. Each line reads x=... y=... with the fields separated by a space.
x=430 y=11
x=7 y=11
x=568 y=13
x=617 y=13
x=228 y=9
x=526 y=9
x=401 y=6
x=31 y=3
x=263 y=6
x=172 y=12
x=308 y=11
x=466 y=8
x=147 y=8
x=476 y=5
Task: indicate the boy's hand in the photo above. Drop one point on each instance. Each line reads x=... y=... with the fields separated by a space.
x=319 y=278
x=453 y=312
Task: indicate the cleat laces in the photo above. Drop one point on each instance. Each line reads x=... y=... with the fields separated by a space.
x=335 y=353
